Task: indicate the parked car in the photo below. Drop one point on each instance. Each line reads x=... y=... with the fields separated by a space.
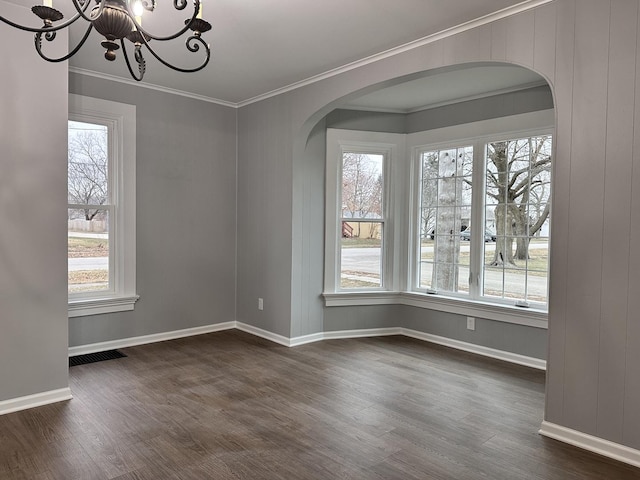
x=488 y=236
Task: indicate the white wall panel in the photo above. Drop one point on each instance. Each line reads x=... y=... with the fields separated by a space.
x=586 y=203
x=545 y=40
x=520 y=38
x=617 y=218
x=631 y=397
x=558 y=266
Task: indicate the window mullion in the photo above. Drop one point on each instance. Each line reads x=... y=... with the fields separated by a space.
x=477 y=221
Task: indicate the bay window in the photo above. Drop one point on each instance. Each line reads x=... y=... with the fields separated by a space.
x=460 y=221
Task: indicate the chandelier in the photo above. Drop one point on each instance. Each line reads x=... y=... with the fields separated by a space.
x=117 y=20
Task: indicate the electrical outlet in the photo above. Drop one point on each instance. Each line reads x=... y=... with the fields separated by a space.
x=471 y=323
x=260 y=304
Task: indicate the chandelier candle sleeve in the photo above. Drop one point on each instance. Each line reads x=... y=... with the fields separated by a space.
x=48 y=3
x=199 y=10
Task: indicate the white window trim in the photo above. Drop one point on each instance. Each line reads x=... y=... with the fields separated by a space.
x=401 y=288
x=392 y=147
x=122 y=119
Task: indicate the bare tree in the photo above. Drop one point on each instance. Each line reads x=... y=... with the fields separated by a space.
x=88 y=171
x=362 y=187
x=429 y=193
x=518 y=174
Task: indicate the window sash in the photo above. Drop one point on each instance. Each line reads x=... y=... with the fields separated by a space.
x=111 y=179
x=362 y=216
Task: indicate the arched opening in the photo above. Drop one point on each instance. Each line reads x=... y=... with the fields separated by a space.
x=433 y=101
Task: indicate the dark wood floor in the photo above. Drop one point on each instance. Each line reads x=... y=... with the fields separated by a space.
x=231 y=406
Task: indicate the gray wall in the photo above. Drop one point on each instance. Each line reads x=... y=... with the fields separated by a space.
x=512 y=103
x=264 y=216
x=508 y=337
x=306 y=286
x=496 y=106
x=33 y=240
x=587 y=51
x=186 y=229
x=367 y=121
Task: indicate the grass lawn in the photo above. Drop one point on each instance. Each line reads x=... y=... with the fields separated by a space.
x=80 y=247
x=355 y=242
x=537 y=264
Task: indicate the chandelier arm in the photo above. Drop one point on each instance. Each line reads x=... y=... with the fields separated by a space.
x=149 y=6
x=126 y=60
x=192 y=45
x=82 y=8
x=38 y=45
x=181 y=5
x=187 y=23
x=47 y=28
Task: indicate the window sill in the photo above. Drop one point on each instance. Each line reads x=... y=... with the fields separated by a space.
x=96 y=306
x=501 y=313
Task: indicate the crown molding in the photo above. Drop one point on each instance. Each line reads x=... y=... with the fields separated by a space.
x=151 y=86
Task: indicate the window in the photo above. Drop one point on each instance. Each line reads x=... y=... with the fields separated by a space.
x=101 y=206
x=90 y=207
x=360 y=236
x=505 y=260
x=517 y=208
x=459 y=224
x=362 y=219
x=444 y=214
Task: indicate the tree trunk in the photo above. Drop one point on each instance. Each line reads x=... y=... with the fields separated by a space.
x=447 y=240
x=520 y=227
x=522 y=248
x=503 y=254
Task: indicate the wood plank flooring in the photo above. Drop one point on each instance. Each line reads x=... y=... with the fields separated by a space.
x=232 y=406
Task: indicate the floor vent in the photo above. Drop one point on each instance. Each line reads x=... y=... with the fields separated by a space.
x=95 y=357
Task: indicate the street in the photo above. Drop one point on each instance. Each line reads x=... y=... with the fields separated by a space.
x=89 y=263
x=364 y=264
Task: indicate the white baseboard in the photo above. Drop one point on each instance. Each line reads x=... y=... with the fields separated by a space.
x=144 y=339
x=427 y=337
x=365 y=332
x=478 y=349
x=259 y=332
x=35 y=400
x=314 y=337
x=591 y=443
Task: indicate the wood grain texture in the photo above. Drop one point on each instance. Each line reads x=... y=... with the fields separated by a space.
x=228 y=405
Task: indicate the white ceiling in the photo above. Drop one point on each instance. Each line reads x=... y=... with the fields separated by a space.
x=260 y=46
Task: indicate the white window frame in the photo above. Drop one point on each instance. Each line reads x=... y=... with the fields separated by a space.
x=120 y=119
x=402 y=250
x=391 y=146
x=476 y=269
